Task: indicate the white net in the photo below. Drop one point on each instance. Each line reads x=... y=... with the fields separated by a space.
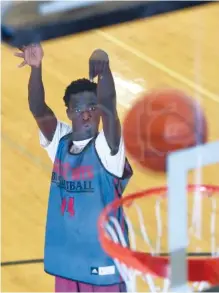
x=148 y=233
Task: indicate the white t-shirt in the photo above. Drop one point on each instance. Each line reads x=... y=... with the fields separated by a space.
x=114 y=164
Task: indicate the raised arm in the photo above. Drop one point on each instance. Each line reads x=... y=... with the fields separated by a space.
x=43 y=115
x=99 y=66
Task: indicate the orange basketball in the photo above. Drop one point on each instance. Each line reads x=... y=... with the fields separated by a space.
x=160 y=122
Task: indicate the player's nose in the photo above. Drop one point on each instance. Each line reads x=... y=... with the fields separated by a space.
x=86 y=115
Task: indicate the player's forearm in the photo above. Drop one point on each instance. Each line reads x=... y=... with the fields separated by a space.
x=106 y=93
x=43 y=115
x=107 y=100
x=36 y=93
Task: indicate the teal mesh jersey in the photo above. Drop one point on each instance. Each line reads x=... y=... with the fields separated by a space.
x=80 y=188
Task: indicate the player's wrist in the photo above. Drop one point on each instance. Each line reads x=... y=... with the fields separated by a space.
x=36 y=71
x=36 y=67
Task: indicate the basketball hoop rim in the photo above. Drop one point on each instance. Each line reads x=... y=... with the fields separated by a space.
x=201 y=269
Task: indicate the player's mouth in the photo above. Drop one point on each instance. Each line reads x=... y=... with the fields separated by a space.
x=87 y=125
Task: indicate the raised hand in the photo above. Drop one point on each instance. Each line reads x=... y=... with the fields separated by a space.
x=98 y=63
x=32 y=55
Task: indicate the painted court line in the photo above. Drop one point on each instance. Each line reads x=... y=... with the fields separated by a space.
x=159 y=66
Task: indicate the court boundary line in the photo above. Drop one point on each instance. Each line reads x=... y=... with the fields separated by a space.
x=41 y=260
x=22 y=262
x=175 y=75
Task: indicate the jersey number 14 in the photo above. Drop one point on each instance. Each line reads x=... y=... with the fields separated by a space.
x=68 y=206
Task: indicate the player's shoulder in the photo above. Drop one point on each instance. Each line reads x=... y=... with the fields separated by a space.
x=101 y=140
x=63 y=128
x=63 y=131
x=112 y=163
x=100 y=136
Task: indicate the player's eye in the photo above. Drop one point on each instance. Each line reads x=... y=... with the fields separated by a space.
x=77 y=110
x=92 y=108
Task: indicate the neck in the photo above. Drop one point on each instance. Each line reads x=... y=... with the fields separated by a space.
x=82 y=135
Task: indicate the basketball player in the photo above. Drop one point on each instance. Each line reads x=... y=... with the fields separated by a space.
x=90 y=170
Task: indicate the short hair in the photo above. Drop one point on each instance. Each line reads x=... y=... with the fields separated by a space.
x=79 y=86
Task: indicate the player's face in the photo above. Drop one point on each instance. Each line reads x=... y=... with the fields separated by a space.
x=84 y=113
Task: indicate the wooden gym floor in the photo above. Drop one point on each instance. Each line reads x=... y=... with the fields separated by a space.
x=179 y=50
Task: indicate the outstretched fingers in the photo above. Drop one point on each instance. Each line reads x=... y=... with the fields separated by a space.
x=20 y=55
x=22 y=64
